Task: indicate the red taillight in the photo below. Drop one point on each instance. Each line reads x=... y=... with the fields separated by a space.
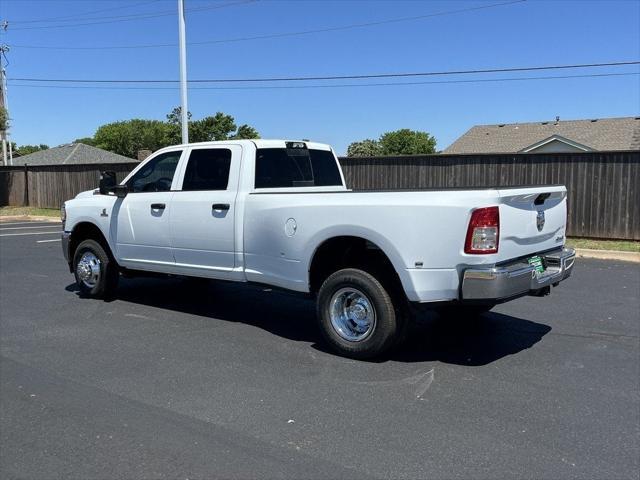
x=483 y=234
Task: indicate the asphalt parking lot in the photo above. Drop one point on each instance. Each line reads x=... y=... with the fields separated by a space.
x=183 y=379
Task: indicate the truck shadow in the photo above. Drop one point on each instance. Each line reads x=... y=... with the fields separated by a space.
x=459 y=341
x=469 y=341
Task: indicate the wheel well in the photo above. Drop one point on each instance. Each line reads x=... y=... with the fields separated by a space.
x=87 y=231
x=352 y=252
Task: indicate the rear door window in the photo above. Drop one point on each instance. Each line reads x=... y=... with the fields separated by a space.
x=207 y=169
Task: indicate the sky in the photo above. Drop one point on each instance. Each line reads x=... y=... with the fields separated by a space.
x=452 y=35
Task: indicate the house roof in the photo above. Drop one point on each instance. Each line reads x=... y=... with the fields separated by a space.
x=73 y=153
x=621 y=133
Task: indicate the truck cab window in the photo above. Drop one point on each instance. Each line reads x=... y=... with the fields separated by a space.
x=325 y=170
x=156 y=175
x=281 y=167
x=207 y=169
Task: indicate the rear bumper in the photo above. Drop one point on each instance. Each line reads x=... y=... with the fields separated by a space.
x=499 y=283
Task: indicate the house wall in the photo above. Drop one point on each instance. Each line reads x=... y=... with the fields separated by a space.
x=555 y=146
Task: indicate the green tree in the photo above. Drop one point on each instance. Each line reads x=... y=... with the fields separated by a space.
x=245 y=132
x=85 y=140
x=4 y=119
x=27 y=149
x=175 y=116
x=407 y=142
x=219 y=127
x=127 y=137
x=365 y=148
x=398 y=142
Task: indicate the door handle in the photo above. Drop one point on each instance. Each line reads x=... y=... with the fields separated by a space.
x=158 y=206
x=220 y=206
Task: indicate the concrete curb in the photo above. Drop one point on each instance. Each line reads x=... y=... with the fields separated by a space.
x=608 y=255
x=33 y=218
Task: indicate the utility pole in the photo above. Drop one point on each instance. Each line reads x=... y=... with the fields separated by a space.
x=183 y=73
x=3 y=100
x=3 y=106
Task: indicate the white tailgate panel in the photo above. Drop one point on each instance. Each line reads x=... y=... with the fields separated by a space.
x=519 y=232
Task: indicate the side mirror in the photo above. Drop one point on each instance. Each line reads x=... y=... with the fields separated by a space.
x=120 y=190
x=107 y=182
x=109 y=185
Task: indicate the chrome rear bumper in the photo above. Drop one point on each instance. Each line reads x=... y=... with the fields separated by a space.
x=502 y=282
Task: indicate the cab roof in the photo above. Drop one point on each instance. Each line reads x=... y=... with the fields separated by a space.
x=262 y=143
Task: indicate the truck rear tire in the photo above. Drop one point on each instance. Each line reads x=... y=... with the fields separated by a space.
x=95 y=271
x=356 y=314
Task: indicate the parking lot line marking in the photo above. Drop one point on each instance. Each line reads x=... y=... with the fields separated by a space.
x=30 y=233
x=29 y=223
x=52 y=240
x=25 y=228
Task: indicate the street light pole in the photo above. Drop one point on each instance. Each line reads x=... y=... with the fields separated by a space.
x=183 y=74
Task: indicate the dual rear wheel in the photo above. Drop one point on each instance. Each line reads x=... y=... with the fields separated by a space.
x=362 y=318
x=357 y=315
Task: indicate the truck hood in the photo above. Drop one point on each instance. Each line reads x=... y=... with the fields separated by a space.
x=86 y=194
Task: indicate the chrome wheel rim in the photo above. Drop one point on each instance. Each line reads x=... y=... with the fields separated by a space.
x=353 y=315
x=88 y=269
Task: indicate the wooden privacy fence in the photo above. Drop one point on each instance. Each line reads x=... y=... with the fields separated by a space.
x=47 y=186
x=604 y=187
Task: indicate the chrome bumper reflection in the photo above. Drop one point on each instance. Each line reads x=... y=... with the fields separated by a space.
x=519 y=278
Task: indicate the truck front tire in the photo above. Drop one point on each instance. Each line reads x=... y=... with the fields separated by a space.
x=356 y=314
x=95 y=271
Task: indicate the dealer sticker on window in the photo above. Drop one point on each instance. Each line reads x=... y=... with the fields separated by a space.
x=537 y=263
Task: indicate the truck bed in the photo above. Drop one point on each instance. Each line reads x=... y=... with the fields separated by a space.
x=422 y=232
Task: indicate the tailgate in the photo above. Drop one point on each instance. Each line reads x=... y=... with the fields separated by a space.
x=532 y=220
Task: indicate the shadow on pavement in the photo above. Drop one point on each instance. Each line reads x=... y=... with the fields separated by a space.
x=470 y=341
x=460 y=341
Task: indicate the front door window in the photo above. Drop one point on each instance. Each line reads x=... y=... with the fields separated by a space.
x=156 y=175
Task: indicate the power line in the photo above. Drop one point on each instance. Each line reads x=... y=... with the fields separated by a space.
x=278 y=35
x=127 y=18
x=344 y=85
x=342 y=77
x=81 y=16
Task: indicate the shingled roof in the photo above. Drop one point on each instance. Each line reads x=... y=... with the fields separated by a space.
x=621 y=133
x=74 y=153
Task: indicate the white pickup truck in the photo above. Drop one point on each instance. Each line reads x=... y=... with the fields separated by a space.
x=278 y=213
